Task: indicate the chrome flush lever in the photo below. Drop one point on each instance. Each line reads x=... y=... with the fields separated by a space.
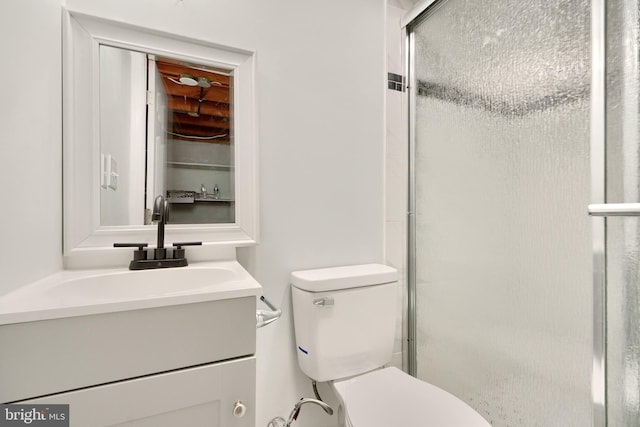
x=323 y=302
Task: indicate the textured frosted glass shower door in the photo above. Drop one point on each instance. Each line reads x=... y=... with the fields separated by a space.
x=623 y=318
x=623 y=234
x=503 y=243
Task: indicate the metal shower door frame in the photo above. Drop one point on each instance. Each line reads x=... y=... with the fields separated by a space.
x=412 y=19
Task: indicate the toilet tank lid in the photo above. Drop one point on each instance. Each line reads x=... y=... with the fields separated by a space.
x=345 y=277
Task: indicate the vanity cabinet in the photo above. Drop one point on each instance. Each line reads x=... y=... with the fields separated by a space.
x=187 y=364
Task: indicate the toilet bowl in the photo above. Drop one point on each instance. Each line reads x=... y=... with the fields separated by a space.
x=389 y=397
x=344 y=320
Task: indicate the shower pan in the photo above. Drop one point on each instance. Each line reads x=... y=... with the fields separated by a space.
x=524 y=245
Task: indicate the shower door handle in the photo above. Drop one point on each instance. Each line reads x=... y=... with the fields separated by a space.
x=615 y=209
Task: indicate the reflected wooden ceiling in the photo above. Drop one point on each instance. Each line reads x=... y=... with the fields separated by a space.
x=200 y=112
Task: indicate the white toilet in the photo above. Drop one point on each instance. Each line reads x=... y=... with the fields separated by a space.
x=345 y=321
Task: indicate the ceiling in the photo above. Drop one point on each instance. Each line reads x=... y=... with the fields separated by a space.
x=199 y=112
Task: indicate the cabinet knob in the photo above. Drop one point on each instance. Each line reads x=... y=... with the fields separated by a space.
x=239 y=409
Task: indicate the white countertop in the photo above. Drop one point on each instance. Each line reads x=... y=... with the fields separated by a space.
x=70 y=293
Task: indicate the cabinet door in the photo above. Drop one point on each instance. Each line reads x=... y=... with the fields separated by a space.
x=203 y=396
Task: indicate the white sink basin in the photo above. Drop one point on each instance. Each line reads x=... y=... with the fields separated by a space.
x=85 y=292
x=126 y=285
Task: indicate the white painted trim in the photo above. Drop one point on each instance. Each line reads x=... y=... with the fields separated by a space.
x=83 y=35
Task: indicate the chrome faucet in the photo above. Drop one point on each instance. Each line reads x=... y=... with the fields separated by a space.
x=161 y=215
x=296 y=409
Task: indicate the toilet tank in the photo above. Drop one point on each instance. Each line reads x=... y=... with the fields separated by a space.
x=344 y=319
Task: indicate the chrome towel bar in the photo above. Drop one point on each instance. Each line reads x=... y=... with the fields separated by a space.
x=264 y=317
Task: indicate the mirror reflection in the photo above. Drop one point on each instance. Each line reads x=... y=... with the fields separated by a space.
x=166 y=128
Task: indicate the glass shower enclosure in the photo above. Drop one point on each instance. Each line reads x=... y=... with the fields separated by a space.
x=524 y=181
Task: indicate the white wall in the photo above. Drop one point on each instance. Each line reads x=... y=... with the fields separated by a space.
x=31 y=147
x=320 y=81
x=320 y=77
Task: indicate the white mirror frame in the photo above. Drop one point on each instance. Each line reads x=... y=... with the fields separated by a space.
x=83 y=35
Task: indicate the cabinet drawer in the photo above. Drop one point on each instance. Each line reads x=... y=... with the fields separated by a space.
x=45 y=357
x=194 y=397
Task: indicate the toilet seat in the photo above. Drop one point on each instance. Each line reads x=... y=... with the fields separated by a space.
x=389 y=397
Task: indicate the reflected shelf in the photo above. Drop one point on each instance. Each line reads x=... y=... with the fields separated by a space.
x=199 y=165
x=213 y=200
x=184 y=197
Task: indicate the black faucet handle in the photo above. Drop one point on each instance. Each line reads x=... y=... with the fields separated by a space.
x=131 y=245
x=178 y=251
x=179 y=245
x=138 y=254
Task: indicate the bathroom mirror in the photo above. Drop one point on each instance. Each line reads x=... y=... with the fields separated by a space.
x=148 y=113
x=165 y=129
